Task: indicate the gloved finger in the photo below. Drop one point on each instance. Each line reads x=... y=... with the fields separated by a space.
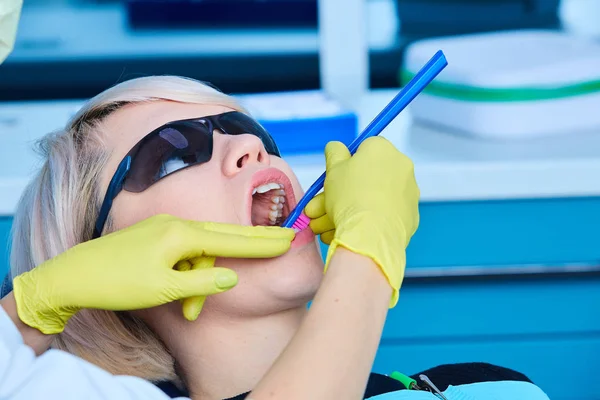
x=183 y=265
x=384 y=149
x=195 y=241
x=192 y=309
x=316 y=207
x=376 y=144
x=200 y=282
x=327 y=237
x=265 y=232
x=322 y=224
x=193 y=305
x=335 y=152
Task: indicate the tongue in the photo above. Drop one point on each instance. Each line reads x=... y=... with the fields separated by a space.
x=261 y=207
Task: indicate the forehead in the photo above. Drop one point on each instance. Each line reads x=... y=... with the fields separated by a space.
x=128 y=125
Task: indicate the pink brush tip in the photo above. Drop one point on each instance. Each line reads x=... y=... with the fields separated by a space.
x=301 y=223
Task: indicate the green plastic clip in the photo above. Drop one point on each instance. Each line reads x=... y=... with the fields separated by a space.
x=407 y=381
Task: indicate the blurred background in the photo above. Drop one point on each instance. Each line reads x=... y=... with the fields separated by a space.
x=76 y=48
x=505 y=267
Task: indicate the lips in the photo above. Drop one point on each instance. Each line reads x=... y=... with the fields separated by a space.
x=303 y=237
x=261 y=180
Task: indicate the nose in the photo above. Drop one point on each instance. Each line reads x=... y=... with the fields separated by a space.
x=242 y=151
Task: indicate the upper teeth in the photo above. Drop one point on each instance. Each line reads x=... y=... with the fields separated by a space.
x=265 y=188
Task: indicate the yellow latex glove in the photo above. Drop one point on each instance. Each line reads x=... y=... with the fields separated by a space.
x=369 y=206
x=320 y=222
x=133 y=269
x=10 y=11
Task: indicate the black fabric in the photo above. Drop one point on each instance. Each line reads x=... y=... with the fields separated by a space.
x=377 y=384
x=461 y=374
x=171 y=390
x=381 y=384
x=442 y=376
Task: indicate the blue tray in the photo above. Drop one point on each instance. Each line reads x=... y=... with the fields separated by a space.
x=303 y=121
x=310 y=135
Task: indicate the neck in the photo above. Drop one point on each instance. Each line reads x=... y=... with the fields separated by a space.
x=235 y=353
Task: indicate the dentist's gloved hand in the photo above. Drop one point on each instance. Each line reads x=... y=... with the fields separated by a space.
x=156 y=261
x=369 y=206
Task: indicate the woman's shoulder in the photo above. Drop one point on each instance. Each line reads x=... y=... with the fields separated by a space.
x=502 y=390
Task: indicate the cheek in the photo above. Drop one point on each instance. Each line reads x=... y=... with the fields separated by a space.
x=179 y=196
x=283 y=166
x=269 y=286
x=298 y=191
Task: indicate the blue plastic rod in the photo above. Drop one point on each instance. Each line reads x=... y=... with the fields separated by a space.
x=416 y=85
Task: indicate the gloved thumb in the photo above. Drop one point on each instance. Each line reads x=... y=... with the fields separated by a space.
x=335 y=152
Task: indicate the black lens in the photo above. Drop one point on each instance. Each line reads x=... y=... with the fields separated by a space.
x=168 y=149
x=237 y=123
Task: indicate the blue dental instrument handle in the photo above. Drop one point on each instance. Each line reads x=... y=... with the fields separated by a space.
x=416 y=85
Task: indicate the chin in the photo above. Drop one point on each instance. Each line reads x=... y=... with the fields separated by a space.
x=270 y=286
x=297 y=275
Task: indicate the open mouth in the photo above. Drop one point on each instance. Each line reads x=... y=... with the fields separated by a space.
x=272 y=198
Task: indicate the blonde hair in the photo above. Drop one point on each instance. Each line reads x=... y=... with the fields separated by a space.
x=58 y=209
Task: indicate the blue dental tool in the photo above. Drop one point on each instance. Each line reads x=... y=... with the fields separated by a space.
x=416 y=85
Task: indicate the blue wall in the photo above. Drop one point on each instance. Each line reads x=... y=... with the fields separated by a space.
x=545 y=327
x=551 y=232
x=5 y=223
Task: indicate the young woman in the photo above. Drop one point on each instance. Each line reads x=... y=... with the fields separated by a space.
x=136 y=167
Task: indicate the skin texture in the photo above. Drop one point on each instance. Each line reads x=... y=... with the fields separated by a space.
x=241 y=332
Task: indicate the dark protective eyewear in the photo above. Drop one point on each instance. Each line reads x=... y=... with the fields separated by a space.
x=173 y=147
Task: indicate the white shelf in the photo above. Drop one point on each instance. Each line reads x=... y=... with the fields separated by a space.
x=101 y=32
x=448 y=167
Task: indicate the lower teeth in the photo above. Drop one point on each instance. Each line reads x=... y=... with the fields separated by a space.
x=277 y=208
